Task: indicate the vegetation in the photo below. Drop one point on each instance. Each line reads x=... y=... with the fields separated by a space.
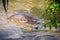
x=48 y=12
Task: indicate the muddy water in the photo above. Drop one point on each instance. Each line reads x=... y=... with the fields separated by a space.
x=9 y=31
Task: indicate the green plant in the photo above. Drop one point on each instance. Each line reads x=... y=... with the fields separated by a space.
x=53 y=9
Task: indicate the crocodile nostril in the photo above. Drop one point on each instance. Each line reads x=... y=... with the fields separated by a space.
x=36 y=27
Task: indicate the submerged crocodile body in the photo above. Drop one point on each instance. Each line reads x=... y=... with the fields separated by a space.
x=25 y=19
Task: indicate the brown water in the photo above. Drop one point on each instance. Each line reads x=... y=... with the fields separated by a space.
x=12 y=31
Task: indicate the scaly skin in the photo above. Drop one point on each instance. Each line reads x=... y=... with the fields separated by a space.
x=21 y=24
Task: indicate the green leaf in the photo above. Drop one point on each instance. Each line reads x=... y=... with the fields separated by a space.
x=53 y=21
x=56 y=4
x=52 y=18
x=55 y=25
x=51 y=6
x=44 y=24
